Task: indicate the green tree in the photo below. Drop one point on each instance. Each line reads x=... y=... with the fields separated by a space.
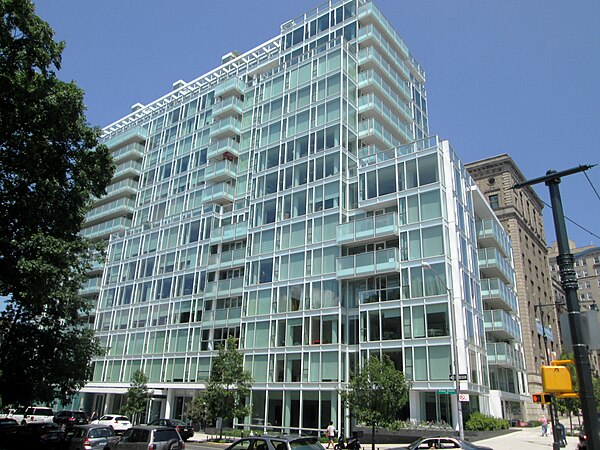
x=197 y=412
x=138 y=397
x=228 y=385
x=50 y=167
x=376 y=394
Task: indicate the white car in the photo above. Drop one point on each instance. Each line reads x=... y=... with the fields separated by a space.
x=32 y=414
x=118 y=422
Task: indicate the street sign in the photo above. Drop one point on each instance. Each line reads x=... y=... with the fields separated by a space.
x=461 y=377
x=463 y=397
x=446 y=391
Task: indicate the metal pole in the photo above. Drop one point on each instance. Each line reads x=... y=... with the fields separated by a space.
x=569 y=282
x=551 y=408
x=454 y=346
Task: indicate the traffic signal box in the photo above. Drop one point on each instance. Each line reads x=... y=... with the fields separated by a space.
x=556 y=379
x=542 y=398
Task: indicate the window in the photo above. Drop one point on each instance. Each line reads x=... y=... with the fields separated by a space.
x=494 y=201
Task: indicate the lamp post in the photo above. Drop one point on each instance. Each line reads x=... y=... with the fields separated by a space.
x=454 y=346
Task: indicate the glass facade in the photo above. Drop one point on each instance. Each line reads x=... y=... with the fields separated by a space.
x=292 y=199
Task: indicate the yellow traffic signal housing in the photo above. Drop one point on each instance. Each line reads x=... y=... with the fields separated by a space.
x=556 y=379
x=542 y=398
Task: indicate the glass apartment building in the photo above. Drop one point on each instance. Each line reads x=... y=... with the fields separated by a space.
x=293 y=198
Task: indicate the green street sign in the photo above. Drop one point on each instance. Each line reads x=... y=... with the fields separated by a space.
x=446 y=391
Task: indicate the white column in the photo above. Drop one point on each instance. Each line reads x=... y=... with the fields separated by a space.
x=169 y=403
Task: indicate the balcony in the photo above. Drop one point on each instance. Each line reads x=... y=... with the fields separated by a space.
x=498 y=295
x=136 y=134
x=223 y=149
x=220 y=193
x=491 y=234
x=231 y=106
x=371 y=132
x=133 y=151
x=493 y=265
x=128 y=169
x=369 y=58
x=104 y=229
x=224 y=288
x=230 y=232
x=222 y=315
x=123 y=188
x=369 y=229
x=221 y=171
x=121 y=207
x=370 y=35
x=370 y=81
x=227 y=260
x=366 y=264
x=224 y=128
x=371 y=106
x=504 y=355
x=233 y=86
x=502 y=325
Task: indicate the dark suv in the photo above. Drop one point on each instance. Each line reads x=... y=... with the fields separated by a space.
x=146 y=437
x=277 y=443
x=69 y=419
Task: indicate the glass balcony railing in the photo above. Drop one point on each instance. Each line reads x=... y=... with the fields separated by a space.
x=218 y=193
x=135 y=134
x=372 y=102
x=369 y=263
x=369 y=8
x=227 y=259
x=220 y=171
x=105 y=228
x=491 y=234
x=373 y=154
x=218 y=315
x=228 y=127
x=233 y=86
x=128 y=168
x=493 y=265
x=229 y=106
x=224 y=288
x=502 y=324
x=369 y=57
x=373 y=133
x=130 y=151
x=229 y=232
x=371 y=79
x=220 y=149
x=121 y=206
x=498 y=295
x=385 y=225
x=505 y=355
x=370 y=32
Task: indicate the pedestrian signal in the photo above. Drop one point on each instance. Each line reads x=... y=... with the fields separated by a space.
x=542 y=398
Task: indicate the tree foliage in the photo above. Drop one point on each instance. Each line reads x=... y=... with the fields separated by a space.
x=50 y=167
x=138 y=397
x=197 y=412
x=228 y=385
x=376 y=394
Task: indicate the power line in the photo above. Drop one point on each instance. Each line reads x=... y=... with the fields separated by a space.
x=574 y=223
x=592 y=185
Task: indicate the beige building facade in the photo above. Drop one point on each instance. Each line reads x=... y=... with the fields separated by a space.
x=520 y=213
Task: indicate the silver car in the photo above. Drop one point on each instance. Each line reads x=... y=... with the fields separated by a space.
x=144 y=437
x=91 y=437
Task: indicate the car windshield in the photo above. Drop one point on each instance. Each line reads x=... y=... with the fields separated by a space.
x=176 y=422
x=306 y=444
x=42 y=412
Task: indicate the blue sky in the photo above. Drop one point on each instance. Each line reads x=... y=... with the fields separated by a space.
x=515 y=77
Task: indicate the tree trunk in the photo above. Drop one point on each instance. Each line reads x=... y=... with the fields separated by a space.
x=221 y=430
x=373 y=437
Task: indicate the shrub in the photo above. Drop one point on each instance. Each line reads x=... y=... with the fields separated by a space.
x=481 y=422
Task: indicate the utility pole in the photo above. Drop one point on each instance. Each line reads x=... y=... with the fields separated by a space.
x=569 y=282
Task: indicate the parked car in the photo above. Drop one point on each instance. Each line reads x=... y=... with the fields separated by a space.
x=39 y=435
x=17 y=414
x=277 y=443
x=90 y=437
x=68 y=419
x=143 y=437
x=33 y=414
x=119 y=423
x=185 y=431
x=444 y=442
x=8 y=430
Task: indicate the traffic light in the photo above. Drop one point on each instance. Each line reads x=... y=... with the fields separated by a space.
x=542 y=398
x=556 y=379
